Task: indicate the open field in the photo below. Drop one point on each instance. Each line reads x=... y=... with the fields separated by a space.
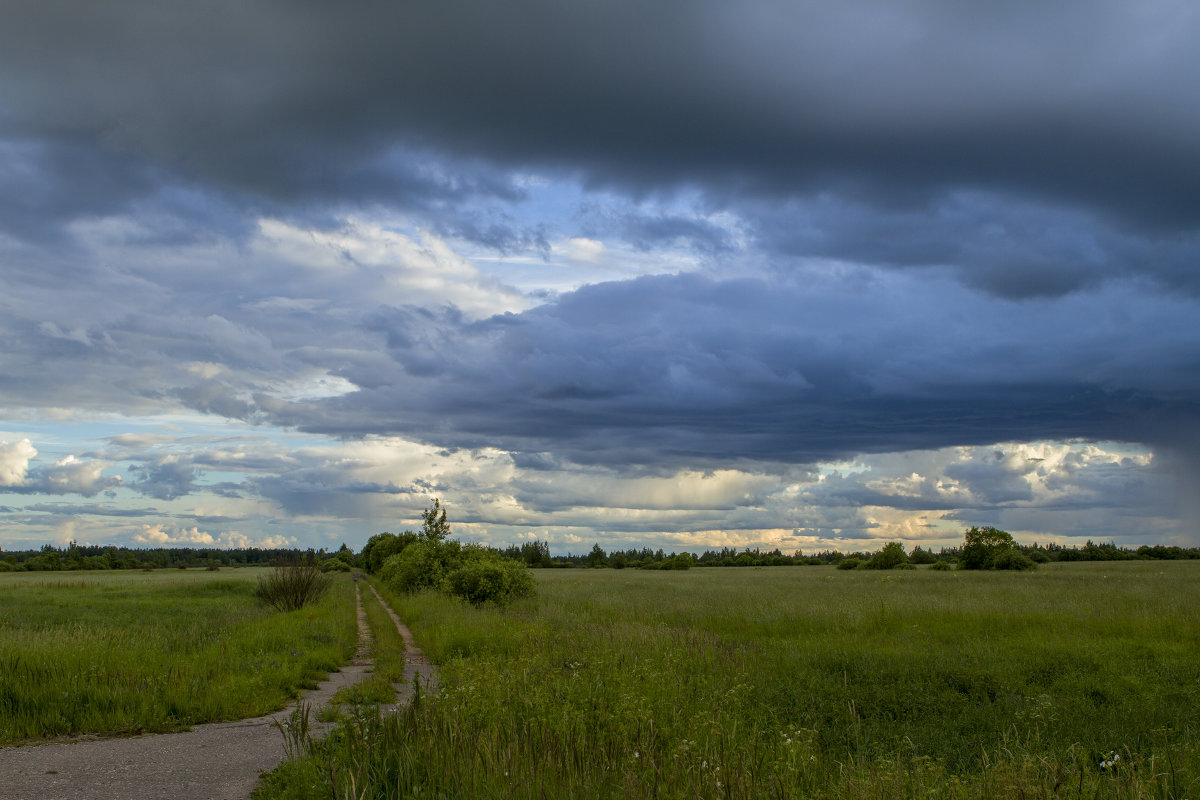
x=1077 y=680
x=118 y=653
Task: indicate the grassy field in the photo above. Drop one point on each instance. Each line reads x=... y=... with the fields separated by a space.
x=130 y=652
x=1077 y=680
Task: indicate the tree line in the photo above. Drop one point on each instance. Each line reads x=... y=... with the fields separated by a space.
x=537 y=554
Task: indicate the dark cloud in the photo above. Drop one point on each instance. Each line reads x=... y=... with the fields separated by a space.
x=676 y=371
x=166 y=479
x=910 y=225
x=422 y=107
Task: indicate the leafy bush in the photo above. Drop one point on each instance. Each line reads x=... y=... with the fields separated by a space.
x=890 y=557
x=381 y=546
x=853 y=562
x=921 y=556
x=419 y=566
x=292 y=584
x=471 y=572
x=941 y=565
x=490 y=578
x=991 y=548
x=1011 y=558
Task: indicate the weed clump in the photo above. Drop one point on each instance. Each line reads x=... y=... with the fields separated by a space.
x=292 y=584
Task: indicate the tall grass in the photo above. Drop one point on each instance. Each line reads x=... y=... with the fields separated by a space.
x=798 y=683
x=115 y=653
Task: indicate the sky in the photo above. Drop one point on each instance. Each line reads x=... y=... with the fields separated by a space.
x=683 y=274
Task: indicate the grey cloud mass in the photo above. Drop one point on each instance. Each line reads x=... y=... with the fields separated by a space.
x=538 y=252
x=687 y=370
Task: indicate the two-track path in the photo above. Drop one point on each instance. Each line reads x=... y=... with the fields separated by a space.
x=218 y=761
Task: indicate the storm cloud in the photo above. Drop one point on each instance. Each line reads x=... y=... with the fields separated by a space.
x=310 y=264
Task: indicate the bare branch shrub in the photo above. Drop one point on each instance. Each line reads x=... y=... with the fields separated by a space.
x=292 y=583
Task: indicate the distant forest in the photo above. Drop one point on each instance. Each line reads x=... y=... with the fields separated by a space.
x=534 y=554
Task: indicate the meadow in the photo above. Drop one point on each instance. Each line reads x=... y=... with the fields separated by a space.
x=1075 y=680
x=112 y=653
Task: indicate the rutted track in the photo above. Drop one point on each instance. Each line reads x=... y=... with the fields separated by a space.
x=218 y=761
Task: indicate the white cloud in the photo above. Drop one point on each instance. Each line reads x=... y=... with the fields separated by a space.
x=14 y=462
x=364 y=260
x=159 y=536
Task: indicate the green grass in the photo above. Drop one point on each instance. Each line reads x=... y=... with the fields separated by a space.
x=121 y=653
x=387 y=652
x=794 y=683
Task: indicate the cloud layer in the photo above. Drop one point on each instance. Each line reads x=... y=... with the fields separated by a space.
x=666 y=263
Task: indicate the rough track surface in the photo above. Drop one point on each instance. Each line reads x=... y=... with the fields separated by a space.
x=219 y=761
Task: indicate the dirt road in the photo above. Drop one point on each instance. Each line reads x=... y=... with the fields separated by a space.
x=220 y=761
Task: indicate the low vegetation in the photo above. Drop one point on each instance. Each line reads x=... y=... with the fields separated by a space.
x=1076 y=680
x=292 y=584
x=430 y=560
x=125 y=653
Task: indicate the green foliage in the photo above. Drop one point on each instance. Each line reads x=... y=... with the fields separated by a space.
x=474 y=573
x=421 y=565
x=292 y=584
x=382 y=546
x=941 y=566
x=434 y=527
x=485 y=577
x=921 y=556
x=597 y=558
x=853 y=562
x=991 y=548
x=891 y=556
x=120 y=653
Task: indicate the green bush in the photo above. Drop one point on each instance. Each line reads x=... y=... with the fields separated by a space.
x=941 y=565
x=991 y=548
x=920 y=556
x=853 y=562
x=422 y=565
x=489 y=578
x=1011 y=558
x=472 y=572
x=890 y=557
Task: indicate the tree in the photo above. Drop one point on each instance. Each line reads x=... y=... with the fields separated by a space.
x=597 y=558
x=919 y=556
x=434 y=528
x=991 y=548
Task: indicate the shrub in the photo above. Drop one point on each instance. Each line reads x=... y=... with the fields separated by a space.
x=890 y=557
x=292 y=584
x=680 y=561
x=941 y=565
x=1011 y=558
x=418 y=566
x=471 y=572
x=921 y=556
x=381 y=546
x=490 y=578
x=852 y=562
x=991 y=548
